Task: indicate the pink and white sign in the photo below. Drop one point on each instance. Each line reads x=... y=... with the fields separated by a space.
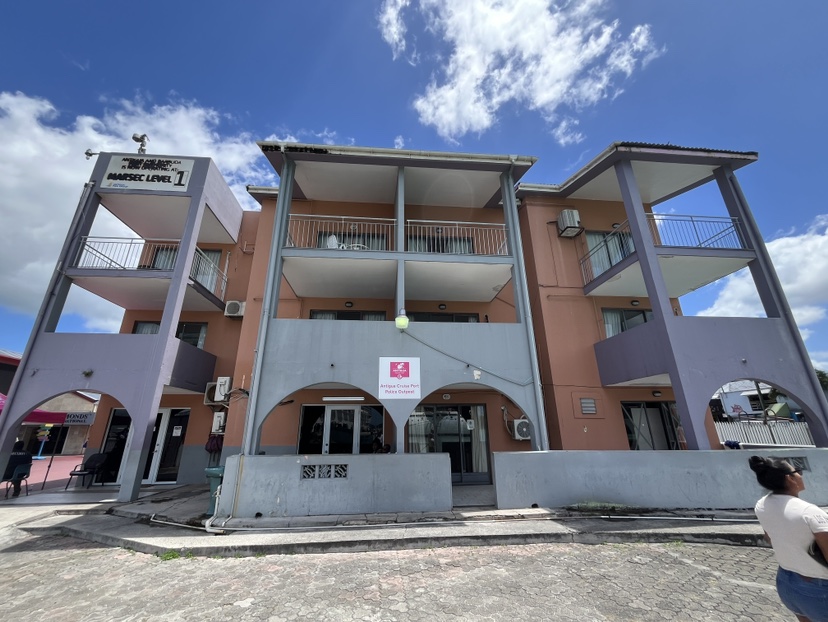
x=399 y=378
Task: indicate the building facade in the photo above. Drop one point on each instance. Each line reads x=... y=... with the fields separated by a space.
x=392 y=323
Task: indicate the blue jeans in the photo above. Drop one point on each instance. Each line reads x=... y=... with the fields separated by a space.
x=803 y=595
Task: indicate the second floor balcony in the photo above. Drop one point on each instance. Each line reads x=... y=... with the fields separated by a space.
x=692 y=252
x=101 y=263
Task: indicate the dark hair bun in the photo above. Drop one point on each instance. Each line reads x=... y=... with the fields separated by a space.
x=758 y=464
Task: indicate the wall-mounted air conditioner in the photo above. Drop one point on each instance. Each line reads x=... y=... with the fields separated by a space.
x=234 y=308
x=210 y=397
x=521 y=429
x=569 y=223
x=219 y=422
x=223 y=386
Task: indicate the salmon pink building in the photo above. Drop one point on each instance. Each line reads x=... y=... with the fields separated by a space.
x=393 y=327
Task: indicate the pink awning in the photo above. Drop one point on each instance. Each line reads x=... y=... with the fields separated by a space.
x=37 y=416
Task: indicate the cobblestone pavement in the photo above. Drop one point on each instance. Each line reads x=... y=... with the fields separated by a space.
x=60 y=578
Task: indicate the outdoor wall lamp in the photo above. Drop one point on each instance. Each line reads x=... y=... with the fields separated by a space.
x=441 y=306
x=656 y=393
x=401 y=321
x=349 y=304
x=635 y=303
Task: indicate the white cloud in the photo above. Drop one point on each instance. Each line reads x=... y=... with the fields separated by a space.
x=801 y=262
x=392 y=26
x=530 y=52
x=566 y=134
x=399 y=142
x=42 y=171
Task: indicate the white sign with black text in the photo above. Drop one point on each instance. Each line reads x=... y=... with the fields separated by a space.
x=148 y=173
x=80 y=418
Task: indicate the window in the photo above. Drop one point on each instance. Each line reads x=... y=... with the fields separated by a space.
x=422 y=316
x=193 y=333
x=370 y=316
x=619 y=320
x=607 y=249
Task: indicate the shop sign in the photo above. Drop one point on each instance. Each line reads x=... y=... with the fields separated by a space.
x=80 y=418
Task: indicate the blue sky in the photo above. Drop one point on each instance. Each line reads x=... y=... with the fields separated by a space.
x=558 y=82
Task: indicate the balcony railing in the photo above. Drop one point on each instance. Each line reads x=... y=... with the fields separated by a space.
x=696 y=231
x=137 y=254
x=378 y=234
x=459 y=238
x=666 y=230
x=340 y=233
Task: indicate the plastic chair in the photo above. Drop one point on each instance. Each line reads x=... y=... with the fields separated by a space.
x=92 y=467
x=21 y=472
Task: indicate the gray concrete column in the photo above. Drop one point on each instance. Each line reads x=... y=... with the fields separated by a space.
x=540 y=440
x=256 y=412
x=692 y=421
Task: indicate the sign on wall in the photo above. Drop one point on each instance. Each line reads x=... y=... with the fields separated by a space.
x=80 y=418
x=399 y=378
x=148 y=173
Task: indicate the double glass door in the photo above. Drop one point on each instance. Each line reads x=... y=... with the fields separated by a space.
x=460 y=431
x=166 y=445
x=340 y=429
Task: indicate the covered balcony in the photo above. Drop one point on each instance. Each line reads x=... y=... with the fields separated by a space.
x=340 y=256
x=693 y=251
x=102 y=263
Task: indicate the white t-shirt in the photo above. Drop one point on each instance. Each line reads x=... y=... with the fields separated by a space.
x=791 y=524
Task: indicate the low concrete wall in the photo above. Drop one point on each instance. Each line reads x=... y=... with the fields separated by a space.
x=318 y=485
x=646 y=479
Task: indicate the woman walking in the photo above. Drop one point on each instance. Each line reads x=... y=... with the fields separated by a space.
x=791 y=525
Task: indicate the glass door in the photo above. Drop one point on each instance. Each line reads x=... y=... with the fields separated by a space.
x=461 y=432
x=340 y=429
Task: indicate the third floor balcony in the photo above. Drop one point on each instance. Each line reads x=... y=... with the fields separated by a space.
x=692 y=251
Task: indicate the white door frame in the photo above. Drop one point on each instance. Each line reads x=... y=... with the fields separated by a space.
x=326 y=433
x=155 y=452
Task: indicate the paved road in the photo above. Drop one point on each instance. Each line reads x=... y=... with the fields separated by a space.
x=63 y=579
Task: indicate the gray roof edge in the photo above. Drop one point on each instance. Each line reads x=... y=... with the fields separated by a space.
x=389 y=152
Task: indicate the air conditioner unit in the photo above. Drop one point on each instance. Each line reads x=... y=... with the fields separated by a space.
x=234 y=308
x=219 y=422
x=521 y=429
x=223 y=386
x=569 y=223
x=210 y=397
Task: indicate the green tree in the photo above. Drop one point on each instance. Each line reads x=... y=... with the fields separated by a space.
x=823 y=378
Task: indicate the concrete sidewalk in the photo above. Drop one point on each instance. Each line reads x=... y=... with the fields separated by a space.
x=170 y=520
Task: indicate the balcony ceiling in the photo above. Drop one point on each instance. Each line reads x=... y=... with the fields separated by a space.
x=354 y=174
x=141 y=293
x=338 y=277
x=682 y=275
x=661 y=172
x=157 y=217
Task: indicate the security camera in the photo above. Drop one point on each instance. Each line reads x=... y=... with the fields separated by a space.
x=89 y=153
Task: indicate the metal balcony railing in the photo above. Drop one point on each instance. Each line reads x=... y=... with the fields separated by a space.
x=666 y=230
x=454 y=237
x=612 y=248
x=99 y=253
x=378 y=234
x=340 y=233
x=696 y=231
